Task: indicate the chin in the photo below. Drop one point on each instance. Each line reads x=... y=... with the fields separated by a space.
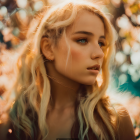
x=90 y=82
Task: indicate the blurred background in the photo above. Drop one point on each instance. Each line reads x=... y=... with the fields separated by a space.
x=15 y=16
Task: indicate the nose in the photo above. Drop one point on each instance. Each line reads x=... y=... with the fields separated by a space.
x=97 y=52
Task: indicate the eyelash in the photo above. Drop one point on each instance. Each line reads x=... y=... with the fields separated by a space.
x=103 y=44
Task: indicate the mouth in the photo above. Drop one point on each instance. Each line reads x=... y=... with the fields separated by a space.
x=95 y=67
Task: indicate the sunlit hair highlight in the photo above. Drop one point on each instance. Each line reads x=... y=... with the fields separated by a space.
x=33 y=86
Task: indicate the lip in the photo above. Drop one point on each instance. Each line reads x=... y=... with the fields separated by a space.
x=95 y=66
x=95 y=71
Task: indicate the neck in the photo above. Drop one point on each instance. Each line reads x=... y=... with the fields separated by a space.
x=63 y=94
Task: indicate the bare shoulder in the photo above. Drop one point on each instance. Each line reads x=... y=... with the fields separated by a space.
x=125 y=127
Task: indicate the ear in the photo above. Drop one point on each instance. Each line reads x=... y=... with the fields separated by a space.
x=46 y=48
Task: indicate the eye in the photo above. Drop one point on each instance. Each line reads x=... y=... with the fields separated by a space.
x=82 y=41
x=101 y=44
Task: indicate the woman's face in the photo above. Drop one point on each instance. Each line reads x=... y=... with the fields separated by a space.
x=86 y=37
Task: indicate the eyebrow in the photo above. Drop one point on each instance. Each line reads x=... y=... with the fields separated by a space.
x=87 y=33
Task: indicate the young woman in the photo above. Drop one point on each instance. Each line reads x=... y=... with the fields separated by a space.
x=57 y=92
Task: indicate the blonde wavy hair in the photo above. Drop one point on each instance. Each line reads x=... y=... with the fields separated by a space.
x=32 y=87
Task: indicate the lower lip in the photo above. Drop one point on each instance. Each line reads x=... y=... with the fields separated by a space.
x=93 y=71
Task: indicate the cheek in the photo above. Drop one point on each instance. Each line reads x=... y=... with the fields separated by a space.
x=77 y=55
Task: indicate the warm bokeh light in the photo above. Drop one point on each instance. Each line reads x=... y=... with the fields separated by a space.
x=38 y=5
x=120 y=57
x=99 y=79
x=123 y=22
x=22 y=3
x=22 y=14
x=10 y=130
x=3 y=11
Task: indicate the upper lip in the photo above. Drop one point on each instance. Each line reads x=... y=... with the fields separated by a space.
x=96 y=67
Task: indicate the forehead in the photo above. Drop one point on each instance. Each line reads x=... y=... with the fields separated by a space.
x=87 y=21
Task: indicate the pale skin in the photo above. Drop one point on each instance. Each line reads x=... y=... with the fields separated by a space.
x=86 y=38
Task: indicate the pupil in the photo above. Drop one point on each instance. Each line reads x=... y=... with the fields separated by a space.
x=82 y=41
x=100 y=44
